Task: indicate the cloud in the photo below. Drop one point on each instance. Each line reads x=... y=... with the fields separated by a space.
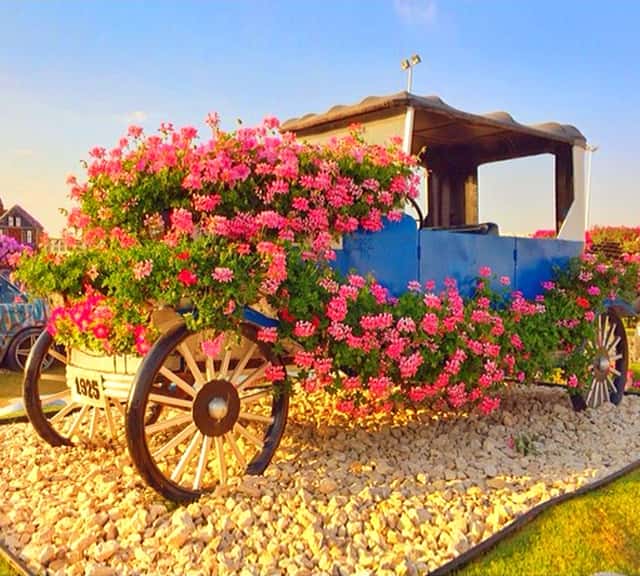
x=135 y=116
x=416 y=11
x=23 y=152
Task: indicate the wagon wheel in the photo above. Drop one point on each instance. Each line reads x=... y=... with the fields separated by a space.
x=221 y=417
x=610 y=357
x=56 y=417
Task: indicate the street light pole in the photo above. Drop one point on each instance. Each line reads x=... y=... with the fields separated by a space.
x=408 y=64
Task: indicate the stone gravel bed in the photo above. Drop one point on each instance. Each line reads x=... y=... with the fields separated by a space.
x=399 y=494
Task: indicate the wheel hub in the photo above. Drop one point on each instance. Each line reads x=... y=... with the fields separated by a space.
x=602 y=364
x=216 y=408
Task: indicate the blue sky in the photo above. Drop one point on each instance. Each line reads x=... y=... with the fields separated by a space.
x=74 y=74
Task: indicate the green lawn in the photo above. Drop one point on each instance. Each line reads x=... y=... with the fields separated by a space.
x=6 y=569
x=597 y=532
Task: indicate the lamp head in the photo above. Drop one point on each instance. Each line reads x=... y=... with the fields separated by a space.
x=415 y=59
x=405 y=64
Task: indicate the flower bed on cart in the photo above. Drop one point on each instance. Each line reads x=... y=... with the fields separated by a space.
x=249 y=217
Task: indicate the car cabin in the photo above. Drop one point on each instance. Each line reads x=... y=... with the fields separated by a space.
x=449 y=239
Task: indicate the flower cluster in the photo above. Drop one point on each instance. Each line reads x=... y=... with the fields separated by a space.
x=436 y=348
x=168 y=219
x=248 y=217
x=10 y=250
x=90 y=321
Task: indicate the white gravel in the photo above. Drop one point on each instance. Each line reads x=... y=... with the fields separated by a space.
x=393 y=495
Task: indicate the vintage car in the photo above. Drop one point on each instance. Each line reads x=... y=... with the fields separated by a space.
x=183 y=410
x=21 y=322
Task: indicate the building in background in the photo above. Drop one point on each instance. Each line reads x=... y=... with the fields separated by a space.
x=17 y=223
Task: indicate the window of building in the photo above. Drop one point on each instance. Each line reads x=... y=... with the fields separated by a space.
x=10 y=220
x=29 y=237
x=18 y=221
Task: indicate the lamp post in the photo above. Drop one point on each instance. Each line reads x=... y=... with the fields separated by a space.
x=408 y=64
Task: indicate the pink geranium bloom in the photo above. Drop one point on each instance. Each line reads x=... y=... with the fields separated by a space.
x=182 y=221
x=268 y=335
x=222 y=274
x=213 y=346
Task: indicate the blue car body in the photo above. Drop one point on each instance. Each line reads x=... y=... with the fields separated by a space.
x=17 y=315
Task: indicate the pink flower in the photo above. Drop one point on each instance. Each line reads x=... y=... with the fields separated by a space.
x=346 y=406
x=222 y=274
x=134 y=131
x=380 y=386
x=337 y=309
x=505 y=280
x=213 y=346
x=100 y=331
x=142 y=269
x=429 y=323
x=206 y=203
x=485 y=271
x=213 y=120
x=182 y=221
x=572 y=381
x=352 y=383
x=275 y=373
x=488 y=405
x=187 y=277
x=593 y=291
x=303 y=329
x=406 y=325
x=268 y=335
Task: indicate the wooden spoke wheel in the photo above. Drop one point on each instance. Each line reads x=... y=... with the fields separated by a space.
x=610 y=358
x=220 y=418
x=56 y=417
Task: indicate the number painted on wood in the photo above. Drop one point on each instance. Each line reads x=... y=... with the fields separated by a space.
x=87 y=387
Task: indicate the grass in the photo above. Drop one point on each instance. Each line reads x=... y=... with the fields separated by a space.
x=597 y=532
x=6 y=569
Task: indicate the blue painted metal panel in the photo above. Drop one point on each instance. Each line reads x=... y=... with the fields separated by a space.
x=536 y=259
x=391 y=255
x=255 y=317
x=460 y=255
